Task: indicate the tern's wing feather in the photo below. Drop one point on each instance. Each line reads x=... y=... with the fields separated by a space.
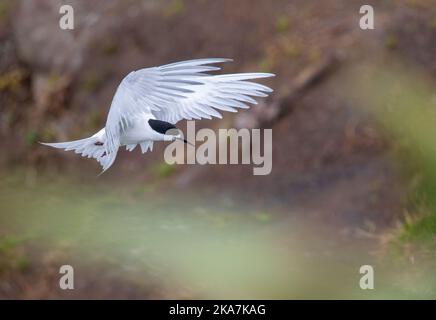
x=177 y=91
x=87 y=147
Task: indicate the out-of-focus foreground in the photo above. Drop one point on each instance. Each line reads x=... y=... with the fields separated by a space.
x=352 y=180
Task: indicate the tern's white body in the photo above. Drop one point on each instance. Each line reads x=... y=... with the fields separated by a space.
x=140 y=131
x=149 y=101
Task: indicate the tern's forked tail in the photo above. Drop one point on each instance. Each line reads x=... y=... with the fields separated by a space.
x=92 y=147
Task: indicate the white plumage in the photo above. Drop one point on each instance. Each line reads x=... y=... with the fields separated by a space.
x=168 y=93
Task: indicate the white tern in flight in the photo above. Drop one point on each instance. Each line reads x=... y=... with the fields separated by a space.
x=148 y=102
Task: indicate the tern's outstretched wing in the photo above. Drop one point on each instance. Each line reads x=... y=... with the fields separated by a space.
x=177 y=91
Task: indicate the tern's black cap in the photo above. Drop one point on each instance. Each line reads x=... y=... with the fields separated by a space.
x=161 y=126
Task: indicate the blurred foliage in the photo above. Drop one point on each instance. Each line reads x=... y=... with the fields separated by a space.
x=91 y=81
x=391 y=42
x=175 y=7
x=110 y=47
x=263 y=217
x=421 y=227
x=31 y=137
x=95 y=119
x=10 y=256
x=403 y=103
x=53 y=80
x=266 y=65
x=190 y=244
x=46 y=134
x=432 y=24
x=12 y=80
x=290 y=48
x=282 y=23
x=5 y=8
x=163 y=169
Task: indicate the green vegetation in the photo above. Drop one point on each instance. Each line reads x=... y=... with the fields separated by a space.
x=110 y=47
x=420 y=228
x=291 y=49
x=163 y=169
x=91 y=81
x=262 y=217
x=31 y=138
x=11 y=81
x=266 y=65
x=7 y=244
x=391 y=42
x=403 y=104
x=95 y=119
x=174 y=8
x=5 y=8
x=46 y=134
x=11 y=257
x=188 y=241
x=53 y=81
x=432 y=24
x=282 y=23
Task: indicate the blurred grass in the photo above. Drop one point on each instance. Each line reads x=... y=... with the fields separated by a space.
x=199 y=246
x=404 y=103
x=5 y=7
x=31 y=137
x=11 y=258
x=12 y=80
x=282 y=23
x=163 y=169
x=174 y=8
x=185 y=244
